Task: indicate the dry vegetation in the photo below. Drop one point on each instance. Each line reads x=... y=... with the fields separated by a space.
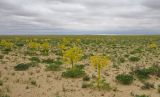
x=80 y=66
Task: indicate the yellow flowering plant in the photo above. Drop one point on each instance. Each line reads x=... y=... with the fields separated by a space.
x=7 y=44
x=33 y=45
x=153 y=45
x=72 y=55
x=45 y=47
x=99 y=62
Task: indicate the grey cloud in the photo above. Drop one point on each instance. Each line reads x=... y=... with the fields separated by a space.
x=81 y=16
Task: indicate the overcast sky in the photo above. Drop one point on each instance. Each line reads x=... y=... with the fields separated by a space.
x=79 y=16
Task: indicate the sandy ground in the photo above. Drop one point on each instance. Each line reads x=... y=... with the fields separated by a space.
x=51 y=84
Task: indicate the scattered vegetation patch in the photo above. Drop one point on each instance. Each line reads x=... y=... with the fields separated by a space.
x=4 y=95
x=121 y=59
x=103 y=85
x=87 y=85
x=158 y=89
x=141 y=95
x=35 y=59
x=21 y=67
x=55 y=66
x=74 y=72
x=134 y=58
x=147 y=85
x=33 y=82
x=125 y=79
x=1 y=56
x=48 y=61
x=1 y=83
x=86 y=78
x=142 y=73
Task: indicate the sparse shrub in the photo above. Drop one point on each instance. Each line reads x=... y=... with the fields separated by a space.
x=48 y=61
x=121 y=59
x=4 y=95
x=86 y=85
x=55 y=66
x=147 y=85
x=35 y=59
x=158 y=89
x=33 y=82
x=86 y=78
x=1 y=56
x=141 y=95
x=1 y=82
x=74 y=72
x=142 y=73
x=154 y=70
x=21 y=67
x=138 y=50
x=134 y=58
x=125 y=79
x=103 y=85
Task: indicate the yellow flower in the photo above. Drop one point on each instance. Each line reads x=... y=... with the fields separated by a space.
x=153 y=45
x=99 y=62
x=72 y=55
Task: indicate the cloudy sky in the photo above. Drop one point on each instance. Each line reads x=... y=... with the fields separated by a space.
x=79 y=16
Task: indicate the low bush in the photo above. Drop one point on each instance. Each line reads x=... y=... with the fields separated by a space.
x=121 y=59
x=86 y=85
x=147 y=85
x=35 y=59
x=55 y=66
x=141 y=95
x=154 y=70
x=134 y=58
x=103 y=85
x=33 y=82
x=4 y=95
x=158 y=89
x=1 y=56
x=48 y=61
x=1 y=82
x=125 y=79
x=86 y=78
x=21 y=67
x=142 y=73
x=74 y=72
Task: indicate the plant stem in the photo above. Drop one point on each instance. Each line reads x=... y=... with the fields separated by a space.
x=99 y=76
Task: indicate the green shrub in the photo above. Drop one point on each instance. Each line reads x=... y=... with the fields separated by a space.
x=80 y=66
x=1 y=82
x=142 y=73
x=147 y=85
x=134 y=58
x=74 y=72
x=86 y=85
x=53 y=67
x=1 y=56
x=4 y=95
x=33 y=82
x=103 y=85
x=86 y=78
x=125 y=79
x=154 y=70
x=141 y=95
x=21 y=67
x=121 y=59
x=158 y=89
x=48 y=61
x=35 y=59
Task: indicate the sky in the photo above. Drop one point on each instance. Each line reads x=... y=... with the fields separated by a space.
x=79 y=17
